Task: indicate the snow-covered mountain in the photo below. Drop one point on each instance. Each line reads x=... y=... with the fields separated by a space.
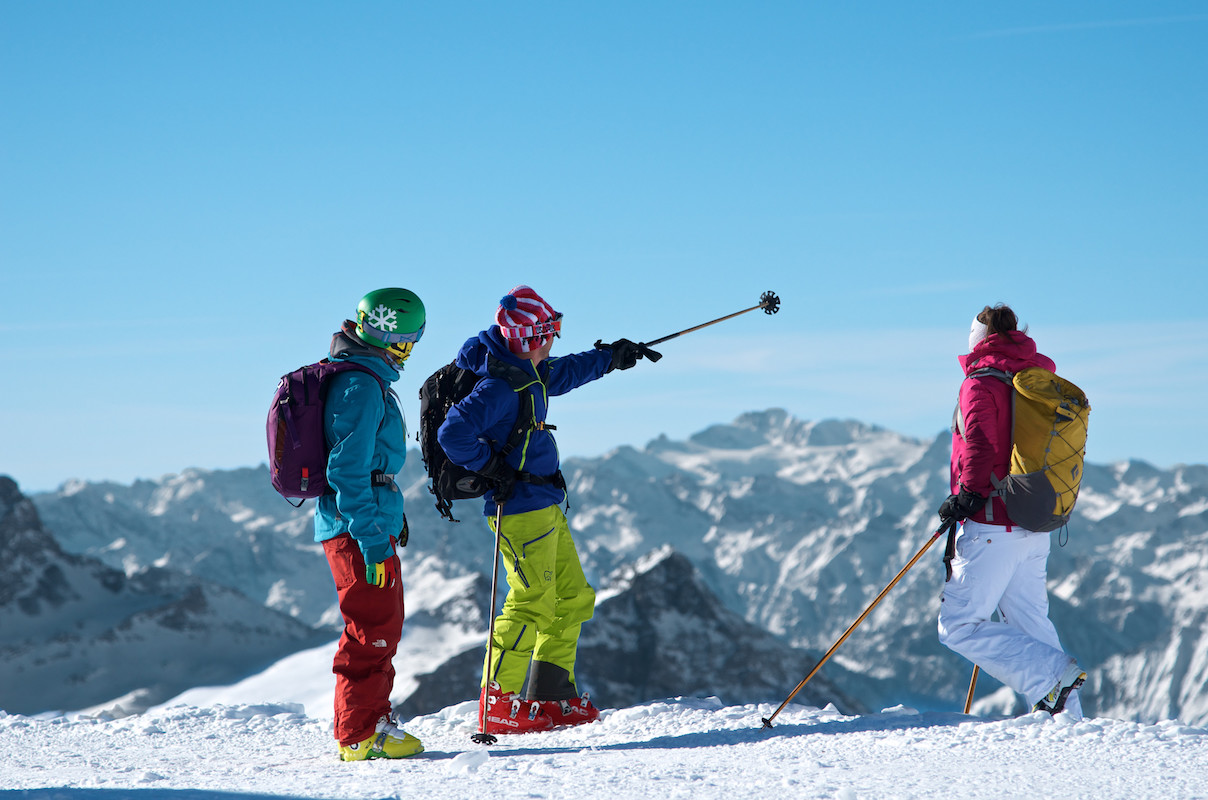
x=795 y=526
x=73 y=629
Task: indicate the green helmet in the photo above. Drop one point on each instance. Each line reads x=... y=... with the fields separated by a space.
x=391 y=318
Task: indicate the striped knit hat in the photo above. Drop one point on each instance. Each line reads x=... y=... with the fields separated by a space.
x=526 y=321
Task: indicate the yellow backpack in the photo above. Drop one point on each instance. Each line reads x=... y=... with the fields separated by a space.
x=1048 y=446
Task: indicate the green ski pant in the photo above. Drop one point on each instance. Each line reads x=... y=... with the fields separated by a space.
x=548 y=598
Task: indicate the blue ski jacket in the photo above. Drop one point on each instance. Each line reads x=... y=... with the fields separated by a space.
x=365 y=431
x=479 y=425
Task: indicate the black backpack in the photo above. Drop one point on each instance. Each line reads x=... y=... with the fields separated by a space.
x=449 y=384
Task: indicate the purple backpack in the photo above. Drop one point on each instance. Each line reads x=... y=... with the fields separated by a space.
x=297 y=448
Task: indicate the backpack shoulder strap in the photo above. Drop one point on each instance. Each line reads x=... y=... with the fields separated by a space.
x=332 y=367
x=1009 y=379
x=519 y=381
x=1001 y=374
x=344 y=366
x=510 y=374
x=958 y=419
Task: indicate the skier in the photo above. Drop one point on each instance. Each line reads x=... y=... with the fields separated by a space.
x=361 y=522
x=537 y=631
x=999 y=565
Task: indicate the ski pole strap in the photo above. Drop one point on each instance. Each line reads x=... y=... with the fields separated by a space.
x=949 y=548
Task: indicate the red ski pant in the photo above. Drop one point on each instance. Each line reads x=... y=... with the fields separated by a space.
x=373 y=625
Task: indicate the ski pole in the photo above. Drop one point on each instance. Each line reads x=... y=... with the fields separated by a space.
x=768 y=301
x=482 y=737
x=767 y=721
x=972 y=686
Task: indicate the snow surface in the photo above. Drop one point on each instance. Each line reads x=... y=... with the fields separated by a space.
x=675 y=748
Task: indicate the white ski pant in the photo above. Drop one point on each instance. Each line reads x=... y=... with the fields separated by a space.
x=1002 y=569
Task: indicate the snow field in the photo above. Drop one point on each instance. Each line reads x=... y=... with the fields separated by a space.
x=671 y=749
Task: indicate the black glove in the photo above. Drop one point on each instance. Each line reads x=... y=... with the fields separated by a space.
x=625 y=354
x=501 y=476
x=961 y=506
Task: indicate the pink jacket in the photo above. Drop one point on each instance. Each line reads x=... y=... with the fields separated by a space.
x=985 y=406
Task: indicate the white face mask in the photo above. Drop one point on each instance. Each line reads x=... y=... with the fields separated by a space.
x=977 y=332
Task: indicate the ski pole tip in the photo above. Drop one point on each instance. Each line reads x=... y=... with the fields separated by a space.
x=769 y=302
x=767 y=723
x=483 y=738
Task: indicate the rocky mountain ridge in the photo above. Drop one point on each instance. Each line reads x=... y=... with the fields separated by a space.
x=795 y=526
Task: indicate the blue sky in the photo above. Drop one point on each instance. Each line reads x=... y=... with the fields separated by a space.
x=194 y=195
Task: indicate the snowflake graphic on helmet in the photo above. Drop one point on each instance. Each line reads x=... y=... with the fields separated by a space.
x=384 y=318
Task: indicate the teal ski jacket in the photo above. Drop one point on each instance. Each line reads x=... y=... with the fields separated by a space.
x=365 y=432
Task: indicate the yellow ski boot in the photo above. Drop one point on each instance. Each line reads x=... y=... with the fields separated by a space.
x=388 y=741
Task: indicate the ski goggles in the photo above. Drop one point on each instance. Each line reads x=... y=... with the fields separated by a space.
x=551 y=327
x=393 y=338
x=400 y=351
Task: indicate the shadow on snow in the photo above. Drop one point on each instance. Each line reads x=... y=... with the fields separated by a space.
x=753 y=735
